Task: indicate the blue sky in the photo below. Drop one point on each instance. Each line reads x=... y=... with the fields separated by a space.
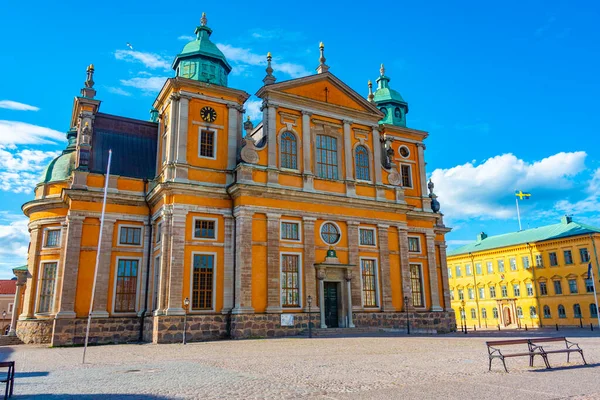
x=508 y=91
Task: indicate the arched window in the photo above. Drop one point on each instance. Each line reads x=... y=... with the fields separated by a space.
x=532 y=312
x=547 y=313
x=495 y=312
x=593 y=310
x=561 y=311
x=519 y=312
x=361 y=160
x=576 y=310
x=473 y=313
x=289 y=152
x=483 y=313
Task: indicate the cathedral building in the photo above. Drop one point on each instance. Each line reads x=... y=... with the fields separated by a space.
x=231 y=230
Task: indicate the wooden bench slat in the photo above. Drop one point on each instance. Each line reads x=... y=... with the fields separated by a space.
x=507 y=342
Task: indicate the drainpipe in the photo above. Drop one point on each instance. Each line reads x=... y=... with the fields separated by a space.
x=476 y=289
x=148 y=259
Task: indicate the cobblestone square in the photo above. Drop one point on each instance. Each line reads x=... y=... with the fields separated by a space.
x=367 y=367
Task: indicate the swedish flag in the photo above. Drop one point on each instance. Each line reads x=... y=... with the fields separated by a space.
x=522 y=195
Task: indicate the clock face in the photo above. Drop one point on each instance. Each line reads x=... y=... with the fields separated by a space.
x=208 y=114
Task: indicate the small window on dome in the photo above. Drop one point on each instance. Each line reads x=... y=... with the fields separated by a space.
x=383 y=110
x=397 y=113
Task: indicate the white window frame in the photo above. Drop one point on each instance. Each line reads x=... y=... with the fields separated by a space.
x=377 y=291
x=489 y=264
x=214 y=283
x=321 y=234
x=45 y=236
x=419 y=241
x=39 y=287
x=137 y=290
x=410 y=174
x=300 y=279
x=141 y=227
x=368 y=228
x=215 y=220
x=215 y=147
x=290 y=221
x=481 y=290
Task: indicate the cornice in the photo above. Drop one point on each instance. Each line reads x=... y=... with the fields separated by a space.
x=39 y=205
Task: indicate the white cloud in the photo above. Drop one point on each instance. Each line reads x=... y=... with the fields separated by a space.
x=253 y=109
x=15 y=105
x=150 y=60
x=117 y=90
x=21 y=170
x=590 y=204
x=243 y=57
x=151 y=84
x=15 y=132
x=14 y=241
x=187 y=38
x=293 y=70
x=485 y=191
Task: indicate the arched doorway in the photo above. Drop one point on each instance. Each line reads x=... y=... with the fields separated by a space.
x=507 y=318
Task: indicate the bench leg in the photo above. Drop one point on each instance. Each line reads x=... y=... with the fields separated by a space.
x=545 y=357
x=581 y=352
x=504 y=363
x=568 y=355
x=7 y=386
x=490 y=365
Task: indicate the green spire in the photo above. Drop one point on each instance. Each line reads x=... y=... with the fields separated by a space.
x=389 y=101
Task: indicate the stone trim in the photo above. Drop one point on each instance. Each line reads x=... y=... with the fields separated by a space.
x=243 y=272
x=433 y=276
x=273 y=263
x=384 y=266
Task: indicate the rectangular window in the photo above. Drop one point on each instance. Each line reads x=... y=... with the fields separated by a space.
x=553 y=260
x=130 y=236
x=416 y=283
x=406 y=175
x=490 y=267
x=525 y=261
x=327 y=161
x=290 y=231
x=504 y=291
x=557 y=287
x=493 y=292
x=478 y=269
x=589 y=286
x=513 y=264
x=568 y=257
x=516 y=290
x=369 y=282
x=52 y=238
x=539 y=261
x=290 y=280
x=471 y=293
x=461 y=294
x=449 y=272
x=126 y=286
x=46 y=284
x=207 y=143
x=202 y=281
x=543 y=289
x=500 y=265
x=468 y=270
x=482 y=293
x=572 y=286
x=451 y=295
x=584 y=255
x=529 y=287
x=458 y=272
x=414 y=245
x=205 y=229
x=367 y=236
x=158 y=234
x=10 y=307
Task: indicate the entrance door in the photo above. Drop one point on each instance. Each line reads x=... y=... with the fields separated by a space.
x=507 y=320
x=331 y=304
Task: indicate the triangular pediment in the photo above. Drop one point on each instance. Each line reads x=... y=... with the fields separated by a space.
x=324 y=88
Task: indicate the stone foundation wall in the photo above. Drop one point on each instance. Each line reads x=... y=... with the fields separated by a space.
x=442 y=322
x=268 y=325
x=68 y=332
x=169 y=329
x=35 y=330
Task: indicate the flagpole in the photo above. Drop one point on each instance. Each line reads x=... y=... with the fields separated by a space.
x=518 y=213
x=87 y=330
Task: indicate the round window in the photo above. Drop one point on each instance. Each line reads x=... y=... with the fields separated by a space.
x=330 y=233
x=404 y=152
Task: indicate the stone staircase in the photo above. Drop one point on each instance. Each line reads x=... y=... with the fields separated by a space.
x=365 y=331
x=9 y=340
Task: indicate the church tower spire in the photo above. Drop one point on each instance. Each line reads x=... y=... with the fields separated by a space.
x=322 y=66
x=269 y=79
x=389 y=101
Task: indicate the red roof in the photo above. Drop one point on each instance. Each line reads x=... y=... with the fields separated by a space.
x=8 y=286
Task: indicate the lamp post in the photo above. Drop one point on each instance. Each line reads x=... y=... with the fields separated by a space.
x=463 y=317
x=3 y=317
x=407 y=317
x=186 y=303
x=309 y=301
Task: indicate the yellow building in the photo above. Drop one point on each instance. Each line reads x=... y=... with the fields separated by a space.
x=535 y=277
x=322 y=206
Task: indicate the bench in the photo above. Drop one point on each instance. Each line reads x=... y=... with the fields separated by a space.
x=531 y=352
x=570 y=347
x=9 y=379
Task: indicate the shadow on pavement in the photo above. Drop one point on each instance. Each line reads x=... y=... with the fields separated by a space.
x=30 y=374
x=564 y=367
x=115 y=396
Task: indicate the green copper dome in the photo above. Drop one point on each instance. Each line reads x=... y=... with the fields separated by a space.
x=390 y=102
x=61 y=167
x=201 y=59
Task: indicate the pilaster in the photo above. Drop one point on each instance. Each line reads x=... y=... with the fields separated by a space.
x=145 y=296
x=377 y=155
x=243 y=270
x=306 y=151
x=444 y=267
x=65 y=301
x=271 y=118
x=232 y=136
x=177 y=257
x=356 y=292
x=100 y=306
x=228 y=258
x=310 y=284
x=32 y=266
x=273 y=267
x=433 y=276
x=165 y=262
x=182 y=130
x=426 y=201
x=404 y=261
x=384 y=262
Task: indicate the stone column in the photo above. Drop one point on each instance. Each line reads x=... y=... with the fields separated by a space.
x=65 y=301
x=182 y=130
x=433 y=276
x=321 y=276
x=354 y=260
x=273 y=267
x=404 y=261
x=384 y=263
x=444 y=267
x=232 y=136
x=377 y=155
x=21 y=279
x=165 y=261
x=100 y=307
x=145 y=296
x=176 y=259
x=348 y=151
x=306 y=151
x=243 y=257
x=32 y=267
x=228 y=258
x=172 y=134
x=348 y=278
x=310 y=282
x=423 y=177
